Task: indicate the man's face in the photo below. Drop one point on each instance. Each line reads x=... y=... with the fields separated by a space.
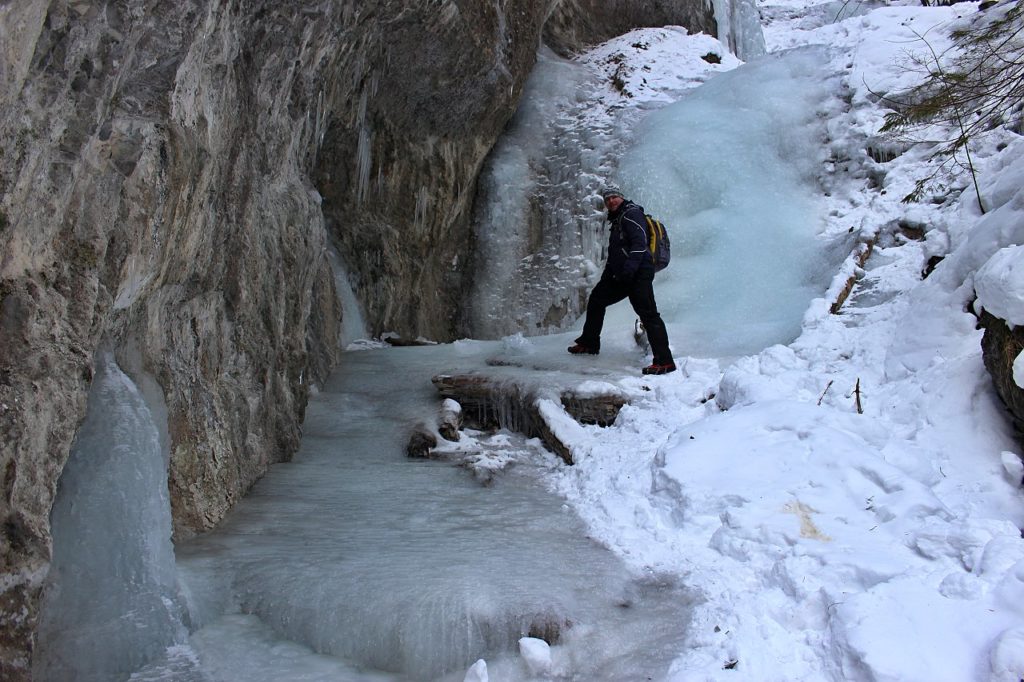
x=613 y=203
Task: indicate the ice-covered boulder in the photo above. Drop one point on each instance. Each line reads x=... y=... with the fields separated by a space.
x=477 y=672
x=450 y=419
x=536 y=654
x=999 y=284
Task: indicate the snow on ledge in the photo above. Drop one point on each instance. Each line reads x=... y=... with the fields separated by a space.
x=999 y=284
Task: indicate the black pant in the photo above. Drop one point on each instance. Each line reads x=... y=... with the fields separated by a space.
x=641 y=296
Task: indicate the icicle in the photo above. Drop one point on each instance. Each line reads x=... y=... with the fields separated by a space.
x=353 y=326
x=364 y=152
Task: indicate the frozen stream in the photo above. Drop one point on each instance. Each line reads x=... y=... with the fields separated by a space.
x=411 y=566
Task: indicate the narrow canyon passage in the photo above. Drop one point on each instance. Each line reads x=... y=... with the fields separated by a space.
x=353 y=562
x=289 y=294
x=411 y=567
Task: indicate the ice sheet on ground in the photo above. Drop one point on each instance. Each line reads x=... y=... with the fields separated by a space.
x=361 y=554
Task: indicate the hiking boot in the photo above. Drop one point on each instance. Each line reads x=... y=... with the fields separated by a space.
x=580 y=349
x=660 y=369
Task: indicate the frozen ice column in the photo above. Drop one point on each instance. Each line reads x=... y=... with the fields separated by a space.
x=111 y=601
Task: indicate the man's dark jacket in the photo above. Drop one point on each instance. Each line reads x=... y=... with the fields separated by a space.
x=628 y=252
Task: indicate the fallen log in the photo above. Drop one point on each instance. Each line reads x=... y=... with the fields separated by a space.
x=492 y=403
x=600 y=410
x=859 y=257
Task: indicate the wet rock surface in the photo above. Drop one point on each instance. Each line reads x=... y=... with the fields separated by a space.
x=421 y=442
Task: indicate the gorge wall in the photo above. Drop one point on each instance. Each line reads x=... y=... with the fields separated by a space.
x=171 y=176
x=576 y=23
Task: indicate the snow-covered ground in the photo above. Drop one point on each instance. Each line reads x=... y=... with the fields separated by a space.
x=823 y=541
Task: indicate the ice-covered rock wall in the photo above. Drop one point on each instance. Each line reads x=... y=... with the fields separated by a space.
x=154 y=194
x=172 y=175
x=530 y=245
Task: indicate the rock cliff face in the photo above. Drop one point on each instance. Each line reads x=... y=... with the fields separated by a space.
x=171 y=175
x=1000 y=346
x=576 y=23
x=157 y=202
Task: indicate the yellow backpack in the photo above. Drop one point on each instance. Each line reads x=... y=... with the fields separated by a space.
x=659 y=246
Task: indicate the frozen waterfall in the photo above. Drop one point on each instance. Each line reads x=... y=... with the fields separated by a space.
x=739 y=26
x=111 y=602
x=533 y=250
x=732 y=169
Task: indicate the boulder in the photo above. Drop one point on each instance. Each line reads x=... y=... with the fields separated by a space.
x=1000 y=346
x=421 y=442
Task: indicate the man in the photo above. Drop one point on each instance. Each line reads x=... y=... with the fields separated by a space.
x=628 y=273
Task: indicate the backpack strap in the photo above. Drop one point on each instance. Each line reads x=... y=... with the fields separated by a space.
x=656 y=233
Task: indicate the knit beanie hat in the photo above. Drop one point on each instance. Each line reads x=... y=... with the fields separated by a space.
x=611 y=191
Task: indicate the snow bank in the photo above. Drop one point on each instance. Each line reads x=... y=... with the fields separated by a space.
x=848 y=505
x=823 y=541
x=1000 y=285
